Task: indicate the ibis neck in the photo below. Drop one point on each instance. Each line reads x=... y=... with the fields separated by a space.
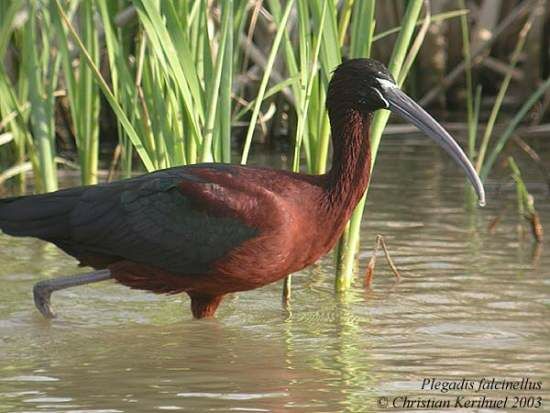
x=349 y=176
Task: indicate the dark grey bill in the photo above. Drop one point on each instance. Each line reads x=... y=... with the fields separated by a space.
x=409 y=110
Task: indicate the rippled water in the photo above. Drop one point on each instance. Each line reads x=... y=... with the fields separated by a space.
x=470 y=305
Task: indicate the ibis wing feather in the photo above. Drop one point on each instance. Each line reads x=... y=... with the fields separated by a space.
x=168 y=219
x=155 y=222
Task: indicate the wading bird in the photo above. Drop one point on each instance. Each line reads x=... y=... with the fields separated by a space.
x=212 y=229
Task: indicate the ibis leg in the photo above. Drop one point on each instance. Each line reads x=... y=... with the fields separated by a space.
x=42 y=290
x=204 y=305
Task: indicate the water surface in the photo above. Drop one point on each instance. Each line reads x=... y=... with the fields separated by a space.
x=470 y=305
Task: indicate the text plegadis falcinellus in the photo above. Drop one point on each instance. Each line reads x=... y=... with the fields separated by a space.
x=212 y=229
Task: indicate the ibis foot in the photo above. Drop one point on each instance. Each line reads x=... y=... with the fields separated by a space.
x=41 y=294
x=42 y=290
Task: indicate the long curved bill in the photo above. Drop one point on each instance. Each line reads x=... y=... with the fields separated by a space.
x=408 y=109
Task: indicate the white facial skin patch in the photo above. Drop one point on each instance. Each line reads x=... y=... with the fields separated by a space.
x=382 y=97
x=386 y=84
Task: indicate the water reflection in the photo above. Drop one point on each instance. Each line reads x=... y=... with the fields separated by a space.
x=470 y=304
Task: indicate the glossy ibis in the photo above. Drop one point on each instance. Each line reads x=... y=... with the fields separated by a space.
x=213 y=229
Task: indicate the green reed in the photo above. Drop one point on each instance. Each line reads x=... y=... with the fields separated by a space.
x=350 y=240
x=484 y=156
x=32 y=100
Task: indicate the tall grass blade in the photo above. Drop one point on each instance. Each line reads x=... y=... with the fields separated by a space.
x=226 y=84
x=520 y=115
x=132 y=134
x=213 y=106
x=8 y=10
x=265 y=79
x=345 y=265
x=522 y=37
x=362 y=28
x=174 y=54
x=37 y=70
x=330 y=58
